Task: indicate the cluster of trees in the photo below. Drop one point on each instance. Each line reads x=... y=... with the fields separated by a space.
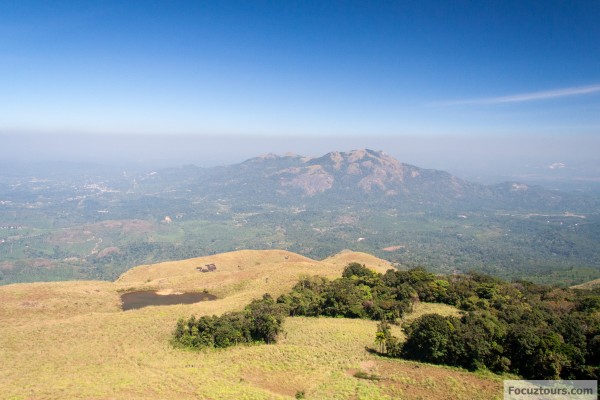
x=536 y=331
x=359 y=293
x=260 y=321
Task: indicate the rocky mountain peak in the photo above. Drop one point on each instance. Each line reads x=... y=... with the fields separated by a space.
x=362 y=170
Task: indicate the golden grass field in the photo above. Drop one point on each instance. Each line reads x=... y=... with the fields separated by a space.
x=70 y=340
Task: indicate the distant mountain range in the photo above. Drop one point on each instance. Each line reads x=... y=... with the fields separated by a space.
x=368 y=177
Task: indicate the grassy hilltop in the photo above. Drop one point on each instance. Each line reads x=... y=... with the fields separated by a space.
x=71 y=340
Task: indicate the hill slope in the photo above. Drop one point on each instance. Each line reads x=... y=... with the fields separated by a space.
x=588 y=285
x=242 y=275
x=70 y=340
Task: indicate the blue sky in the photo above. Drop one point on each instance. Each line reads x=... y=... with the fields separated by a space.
x=351 y=69
x=304 y=68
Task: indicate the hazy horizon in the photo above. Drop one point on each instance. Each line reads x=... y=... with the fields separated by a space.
x=483 y=159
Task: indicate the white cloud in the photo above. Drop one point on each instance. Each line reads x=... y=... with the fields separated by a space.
x=523 y=97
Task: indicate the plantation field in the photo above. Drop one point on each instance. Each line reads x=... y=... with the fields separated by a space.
x=561 y=249
x=71 y=340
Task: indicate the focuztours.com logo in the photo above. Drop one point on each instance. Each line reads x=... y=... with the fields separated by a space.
x=550 y=390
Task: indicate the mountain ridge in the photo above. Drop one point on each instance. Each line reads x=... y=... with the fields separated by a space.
x=364 y=174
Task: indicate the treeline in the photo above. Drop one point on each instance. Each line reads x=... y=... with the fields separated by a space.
x=260 y=321
x=359 y=293
x=536 y=331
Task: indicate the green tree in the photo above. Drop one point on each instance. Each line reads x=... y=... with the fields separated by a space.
x=358 y=270
x=478 y=342
x=428 y=338
x=266 y=318
x=380 y=340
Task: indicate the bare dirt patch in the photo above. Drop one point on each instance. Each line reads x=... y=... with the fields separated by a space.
x=393 y=248
x=278 y=383
x=128 y=226
x=346 y=220
x=41 y=263
x=108 y=251
x=6 y=266
x=421 y=381
x=70 y=236
x=30 y=304
x=368 y=365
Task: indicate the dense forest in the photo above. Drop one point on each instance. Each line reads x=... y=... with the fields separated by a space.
x=535 y=331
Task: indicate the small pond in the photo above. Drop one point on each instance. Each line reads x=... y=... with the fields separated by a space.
x=135 y=300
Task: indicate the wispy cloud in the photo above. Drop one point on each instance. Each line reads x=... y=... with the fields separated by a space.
x=524 y=97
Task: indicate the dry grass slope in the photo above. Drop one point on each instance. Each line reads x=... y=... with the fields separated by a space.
x=588 y=285
x=71 y=340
